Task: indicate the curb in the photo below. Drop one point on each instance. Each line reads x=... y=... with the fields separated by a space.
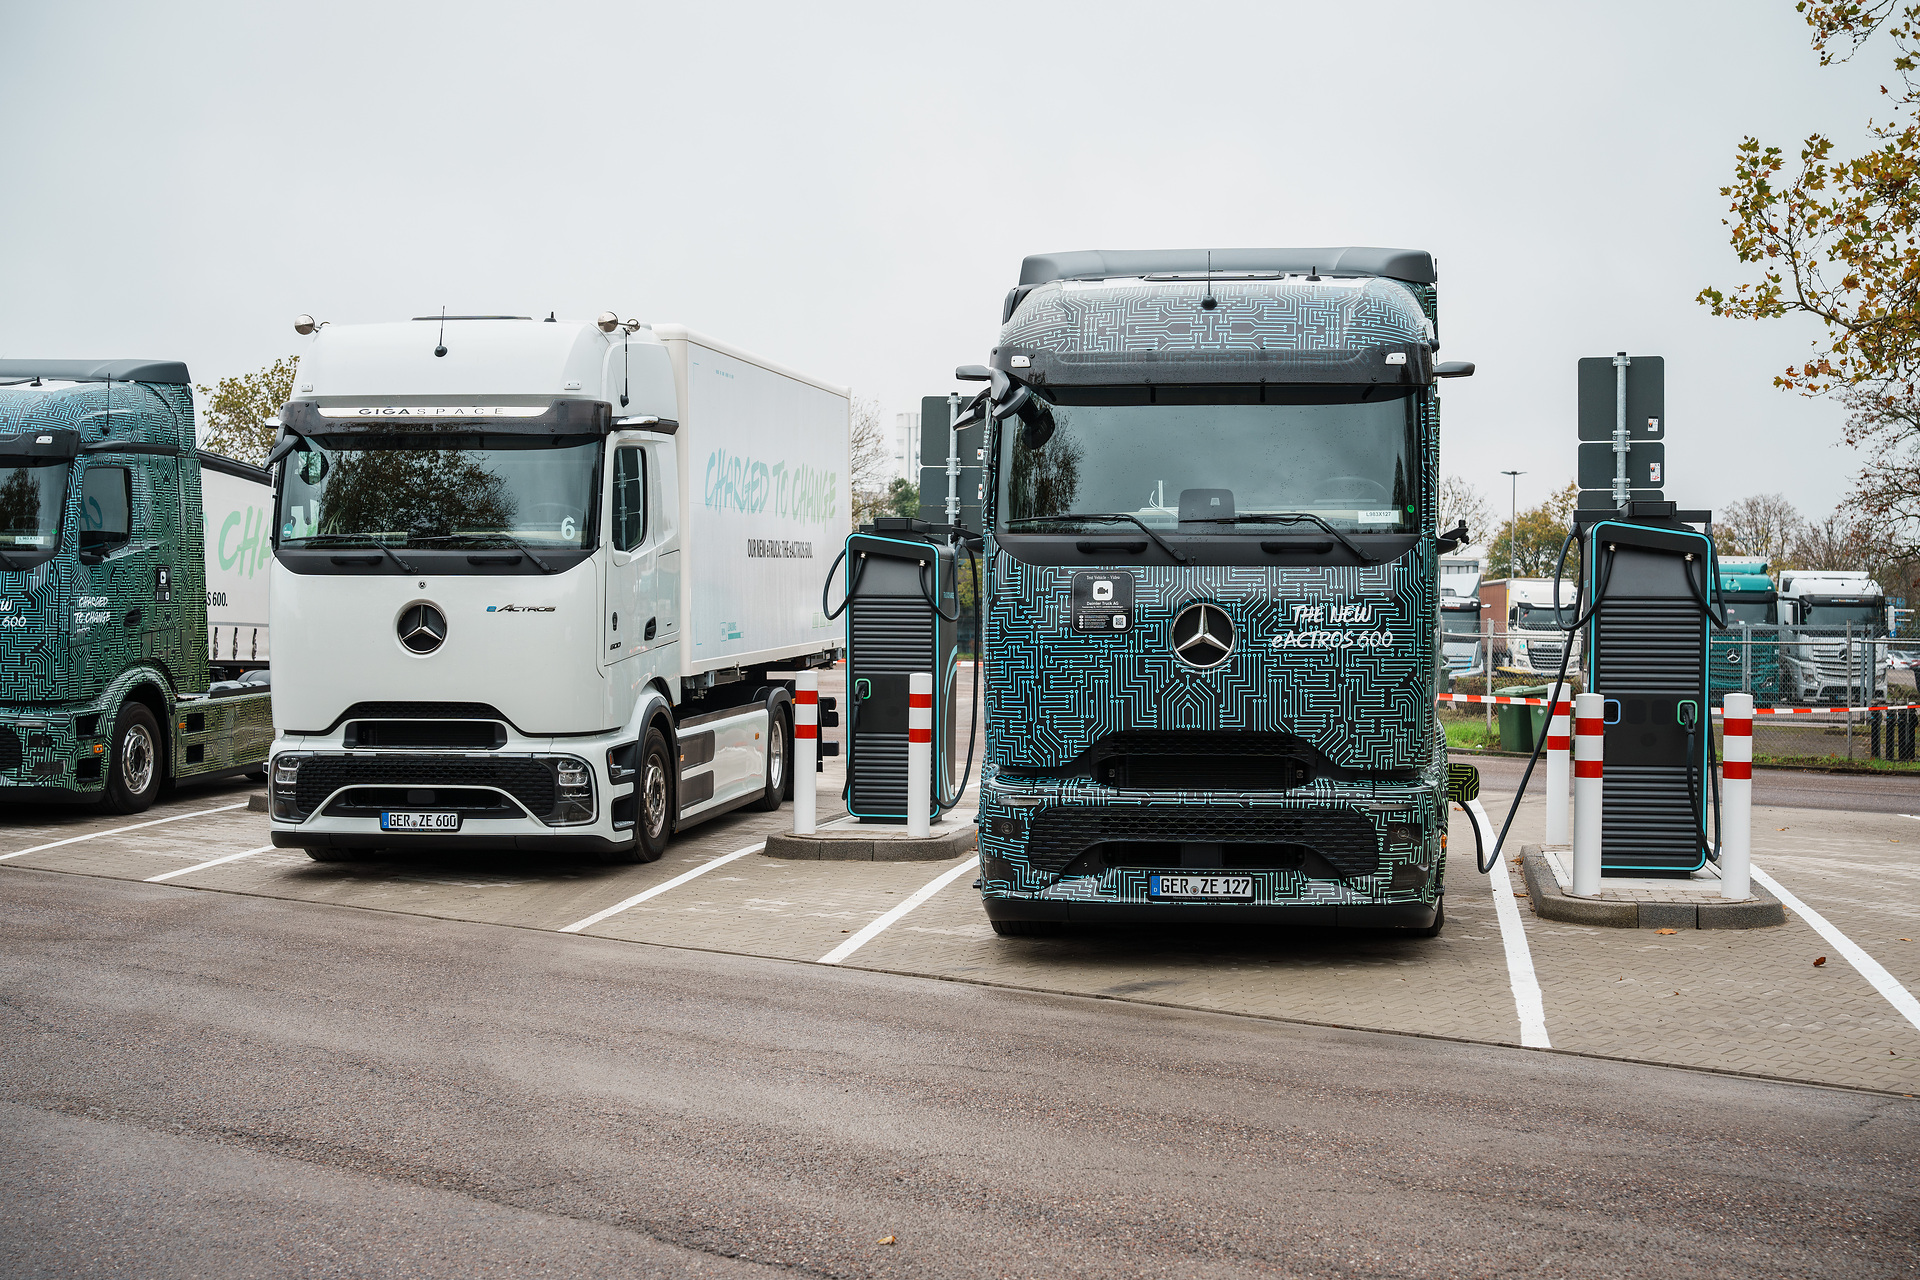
x=839 y=846
x=1550 y=902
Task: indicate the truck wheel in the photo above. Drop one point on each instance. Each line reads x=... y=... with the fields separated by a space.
x=779 y=764
x=134 y=770
x=1028 y=928
x=653 y=819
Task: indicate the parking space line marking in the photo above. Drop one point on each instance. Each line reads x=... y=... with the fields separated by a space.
x=1870 y=969
x=920 y=895
x=232 y=857
x=677 y=881
x=1527 y=1001
x=95 y=835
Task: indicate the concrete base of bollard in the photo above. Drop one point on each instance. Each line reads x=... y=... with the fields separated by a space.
x=1551 y=901
x=257 y=803
x=875 y=844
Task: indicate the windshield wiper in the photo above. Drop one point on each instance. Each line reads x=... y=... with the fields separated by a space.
x=357 y=540
x=1103 y=518
x=517 y=545
x=1288 y=517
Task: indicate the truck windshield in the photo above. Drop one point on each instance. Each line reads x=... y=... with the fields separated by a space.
x=1460 y=621
x=440 y=490
x=1543 y=617
x=1862 y=616
x=33 y=492
x=1208 y=459
x=1750 y=612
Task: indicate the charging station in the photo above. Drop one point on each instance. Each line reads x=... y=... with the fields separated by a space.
x=903 y=612
x=1650 y=582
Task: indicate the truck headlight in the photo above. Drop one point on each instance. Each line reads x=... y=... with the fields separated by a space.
x=283 y=802
x=572 y=792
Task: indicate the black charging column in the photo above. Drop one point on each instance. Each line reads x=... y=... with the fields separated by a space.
x=1646 y=655
x=902 y=611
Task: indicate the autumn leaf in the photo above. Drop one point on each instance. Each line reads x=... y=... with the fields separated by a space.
x=1667 y=931
x=1818 y=961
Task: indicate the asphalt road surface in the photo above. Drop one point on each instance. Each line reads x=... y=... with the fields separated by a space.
x=1788 y=788
x=207 y=1084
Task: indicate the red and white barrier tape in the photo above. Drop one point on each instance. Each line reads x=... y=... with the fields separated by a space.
x=1759 y=711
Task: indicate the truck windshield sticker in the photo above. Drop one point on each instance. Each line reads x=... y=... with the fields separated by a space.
x=1103 y=602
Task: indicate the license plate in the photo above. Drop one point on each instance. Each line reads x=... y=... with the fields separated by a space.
x=1223 y=888
x=419 y=822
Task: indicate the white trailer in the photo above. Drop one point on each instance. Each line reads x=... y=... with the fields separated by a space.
x=236 y=500
x=542 y=585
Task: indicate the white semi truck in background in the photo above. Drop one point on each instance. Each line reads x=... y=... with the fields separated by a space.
x=541 y=586
x=1527 y=630
x=1822 y=609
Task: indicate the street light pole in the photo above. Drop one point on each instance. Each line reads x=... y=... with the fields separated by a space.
x=1513 y=519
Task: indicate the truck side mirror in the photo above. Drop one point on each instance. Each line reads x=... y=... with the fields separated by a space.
x=1454 y=369
x=973 y=373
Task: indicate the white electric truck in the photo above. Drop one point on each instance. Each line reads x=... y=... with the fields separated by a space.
x=541 y=586
x=1835 y=617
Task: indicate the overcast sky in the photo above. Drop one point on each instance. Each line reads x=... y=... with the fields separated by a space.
x=849 y=189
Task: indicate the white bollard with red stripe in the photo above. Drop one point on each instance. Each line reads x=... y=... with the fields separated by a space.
x=1736 y=800
x=806 y=749
x=1559 y=761
x=1589 y=712
x=919 y=752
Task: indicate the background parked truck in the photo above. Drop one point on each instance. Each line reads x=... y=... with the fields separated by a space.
x=1835 y=618
x=1526 y=624
x=1744 y=655
x=540 y=586
x=109 y=570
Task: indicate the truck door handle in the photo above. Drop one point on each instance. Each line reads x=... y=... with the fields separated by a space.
x=651 y=622
x=133 y=617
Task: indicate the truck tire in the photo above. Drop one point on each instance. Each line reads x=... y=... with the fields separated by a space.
x=653 y=814
x=135 y=767
x=779 y=764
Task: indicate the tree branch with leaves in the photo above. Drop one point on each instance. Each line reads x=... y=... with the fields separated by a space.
x=235 y=410
x=1840 y=240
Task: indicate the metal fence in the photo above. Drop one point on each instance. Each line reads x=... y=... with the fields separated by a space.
x=1820 y=694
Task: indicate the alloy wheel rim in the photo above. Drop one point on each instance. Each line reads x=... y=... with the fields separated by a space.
x=777 y=756
x=136 y=759
x=656 y=797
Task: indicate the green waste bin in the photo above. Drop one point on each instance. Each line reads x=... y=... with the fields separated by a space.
x=1522 y=726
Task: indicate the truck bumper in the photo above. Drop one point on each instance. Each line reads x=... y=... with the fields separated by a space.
x=1395 y=915
x=43 y=759
x=582 y=845
x=1352 y=855
x=342 y=809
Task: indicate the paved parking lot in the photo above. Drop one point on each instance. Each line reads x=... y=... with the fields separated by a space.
x=1751 y=1002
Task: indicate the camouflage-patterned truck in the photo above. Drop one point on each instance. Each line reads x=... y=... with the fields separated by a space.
x=110 y=685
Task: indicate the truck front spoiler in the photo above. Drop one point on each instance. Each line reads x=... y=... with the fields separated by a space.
x=1398 y=915
x=366 y=842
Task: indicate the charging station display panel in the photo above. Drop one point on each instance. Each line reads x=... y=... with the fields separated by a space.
x=1647 y=657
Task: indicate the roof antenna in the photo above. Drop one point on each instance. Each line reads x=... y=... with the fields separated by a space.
x=441 y=350
x=1209 y=302
x=549 y=317
x=1313 y=273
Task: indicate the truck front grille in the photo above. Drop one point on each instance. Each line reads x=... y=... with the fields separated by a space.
x=528 y=781
x=1344 y=837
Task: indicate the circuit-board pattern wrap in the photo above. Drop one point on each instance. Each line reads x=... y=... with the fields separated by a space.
x=1363 y=703
x=74 y=643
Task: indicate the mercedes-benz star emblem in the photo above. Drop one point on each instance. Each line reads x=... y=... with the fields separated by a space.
x=1202 y=635
x=422 y=628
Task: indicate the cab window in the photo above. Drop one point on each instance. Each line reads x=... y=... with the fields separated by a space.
x=106 y=509
x=629 y=498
